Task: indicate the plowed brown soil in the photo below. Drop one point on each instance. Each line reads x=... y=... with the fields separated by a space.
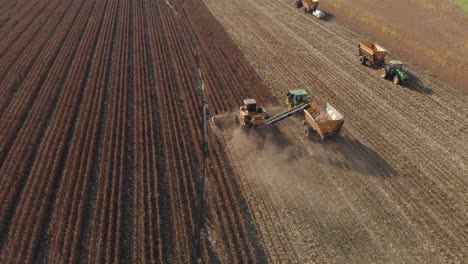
x=101 y=153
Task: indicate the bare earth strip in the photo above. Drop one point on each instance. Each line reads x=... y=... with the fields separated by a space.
x=392 y=187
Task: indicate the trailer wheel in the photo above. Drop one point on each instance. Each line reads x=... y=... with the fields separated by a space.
x=362 y=60
x=305 y=10
x=396 y=80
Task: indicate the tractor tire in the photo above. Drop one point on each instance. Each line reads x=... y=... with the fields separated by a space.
x=299 y=3
x=383 y=73
x=362 y=60
x=396 y=80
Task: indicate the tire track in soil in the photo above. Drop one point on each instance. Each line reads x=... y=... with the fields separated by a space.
x=161 y=72
x=72 y=217
x=182 y=157
x=147 y=244
x=107 y=227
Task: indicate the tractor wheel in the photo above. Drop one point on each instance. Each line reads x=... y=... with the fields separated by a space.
x=362 y=59
x=298 y=3
x=383 y=73
x=396 y=80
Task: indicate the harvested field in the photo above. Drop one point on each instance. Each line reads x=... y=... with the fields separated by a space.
x=103 y=156
x=391 y=188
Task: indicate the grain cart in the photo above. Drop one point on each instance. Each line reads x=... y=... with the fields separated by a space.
x=371 y=54
x=310 y=6
x=320 y=118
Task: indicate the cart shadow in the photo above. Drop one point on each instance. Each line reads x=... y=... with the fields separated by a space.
x=358 y=157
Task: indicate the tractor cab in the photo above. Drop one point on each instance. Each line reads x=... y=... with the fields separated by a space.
x=394 y=71
x=251 y=106
x=396 y=65
x=296 y=97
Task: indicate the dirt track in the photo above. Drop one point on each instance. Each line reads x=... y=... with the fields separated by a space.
x=392 y=188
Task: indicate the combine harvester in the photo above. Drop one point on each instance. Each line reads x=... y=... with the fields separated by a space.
x=310 y=6
x=373 y=55
x=320 y=118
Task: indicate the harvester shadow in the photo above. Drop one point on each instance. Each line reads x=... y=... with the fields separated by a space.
x=415 y=84
x=358 y=157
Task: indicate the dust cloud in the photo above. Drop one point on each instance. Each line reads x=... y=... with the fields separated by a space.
x=274 y=164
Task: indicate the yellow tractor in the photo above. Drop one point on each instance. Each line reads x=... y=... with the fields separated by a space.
x=251 y=115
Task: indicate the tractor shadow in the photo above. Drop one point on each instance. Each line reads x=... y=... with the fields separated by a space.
x=328 y=16
x=358 y=157
x=415 y=84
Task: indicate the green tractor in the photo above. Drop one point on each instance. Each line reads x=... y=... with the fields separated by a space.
x=296 y=97
x=394 y=71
